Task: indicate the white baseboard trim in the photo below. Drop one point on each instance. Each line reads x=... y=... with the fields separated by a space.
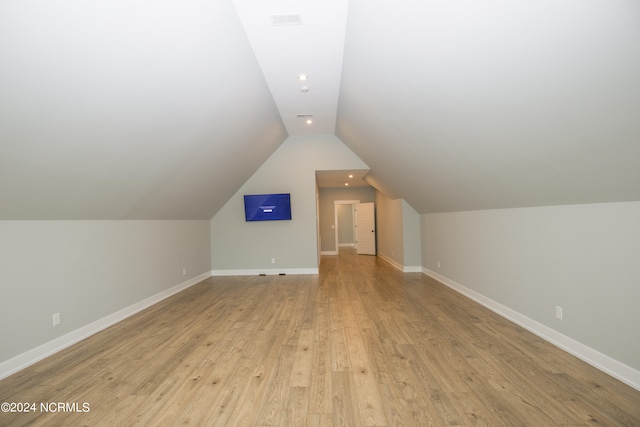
x=328 y=252
x=606 y=364
x=17 y=363
x=403 y=268
x=393 y=263
x=350 y=245
x=265 y=271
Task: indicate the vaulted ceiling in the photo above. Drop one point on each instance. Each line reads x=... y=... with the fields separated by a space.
x=119 y=109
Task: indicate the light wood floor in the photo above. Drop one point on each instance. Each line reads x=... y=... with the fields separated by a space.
x=362 y=344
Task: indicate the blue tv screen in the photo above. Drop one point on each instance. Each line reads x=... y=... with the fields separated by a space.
x=267 y=207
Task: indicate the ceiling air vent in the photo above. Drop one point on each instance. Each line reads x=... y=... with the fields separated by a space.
x=287 y=19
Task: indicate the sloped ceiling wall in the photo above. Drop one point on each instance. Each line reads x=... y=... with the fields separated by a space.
x=113 y=109
x=118 y=109
x=463 y=105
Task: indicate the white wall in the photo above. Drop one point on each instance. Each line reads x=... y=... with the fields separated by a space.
x=240 y=247
x=583 y=258
x=86 y=270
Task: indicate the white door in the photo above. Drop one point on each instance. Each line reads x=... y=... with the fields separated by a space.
x=365 y=229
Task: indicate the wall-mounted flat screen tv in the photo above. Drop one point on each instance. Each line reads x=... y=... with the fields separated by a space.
x=267 y=207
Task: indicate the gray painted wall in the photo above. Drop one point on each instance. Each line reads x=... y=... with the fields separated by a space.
x=389 y=228
x=411 y=236
x=398 y=231
x=327 y=213
x=346 y=224
x=240 y=245
x=583 y=258
x=86 y=270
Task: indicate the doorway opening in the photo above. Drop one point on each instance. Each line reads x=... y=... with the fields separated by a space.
x=355 y=226
x=345 y=223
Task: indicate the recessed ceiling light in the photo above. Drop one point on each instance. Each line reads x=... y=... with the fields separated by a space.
x=350 y=175
x=304 y=89
x=308 y=118
x=302 y=77
x=346 y=183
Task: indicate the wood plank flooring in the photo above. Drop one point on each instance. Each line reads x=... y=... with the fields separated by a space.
x=362 y=344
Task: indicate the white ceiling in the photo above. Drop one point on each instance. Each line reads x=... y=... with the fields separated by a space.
x=463 y=105
x=112 y=109
x=342 y=178
x=312 y=45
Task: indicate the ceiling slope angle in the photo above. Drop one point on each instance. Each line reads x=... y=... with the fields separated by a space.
x=292 y=39
x=128 y=110
x=471 y=105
